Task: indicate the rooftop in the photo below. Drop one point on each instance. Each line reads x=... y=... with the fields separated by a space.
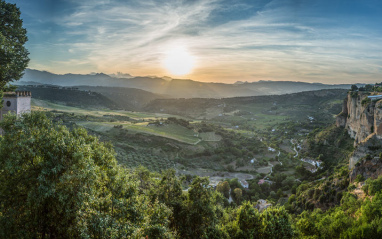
x=18 y=94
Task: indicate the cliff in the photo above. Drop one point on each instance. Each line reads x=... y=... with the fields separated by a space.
x=362 y=118
x=368 y=168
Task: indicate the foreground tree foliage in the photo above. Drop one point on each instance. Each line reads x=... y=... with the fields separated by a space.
x=249 y=223
x=56 y=183
x=354 y=218
x=61 y=184
x=13 y=55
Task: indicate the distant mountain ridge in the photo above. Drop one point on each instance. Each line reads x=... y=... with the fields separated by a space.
x=176 y=88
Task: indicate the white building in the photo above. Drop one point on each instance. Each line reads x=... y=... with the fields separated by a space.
x=16 y=102
x=244 y=183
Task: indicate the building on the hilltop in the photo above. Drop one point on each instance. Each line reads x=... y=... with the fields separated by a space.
x=375 y=97
x=16 y=103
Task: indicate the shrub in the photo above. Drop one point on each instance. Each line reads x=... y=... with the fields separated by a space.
x=354 y=94
x=339 y=196
x=365 y=189
x=310 y=193
x=317 y=194
x=359 y=178
x=374 y=186
x=365 y=101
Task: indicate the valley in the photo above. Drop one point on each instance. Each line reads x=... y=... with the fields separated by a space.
x=248 y=138
x=284 y=152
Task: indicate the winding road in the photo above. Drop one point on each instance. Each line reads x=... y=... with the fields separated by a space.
x=278 y=158
x=291 y=141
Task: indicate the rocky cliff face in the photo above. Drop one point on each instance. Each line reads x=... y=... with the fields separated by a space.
x=363 y=120
x=358 y=117
x=368 y=168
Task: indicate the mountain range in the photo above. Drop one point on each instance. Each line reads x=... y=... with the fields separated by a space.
x=175 y=88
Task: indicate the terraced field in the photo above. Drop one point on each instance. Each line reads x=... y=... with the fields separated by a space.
x=133 y=159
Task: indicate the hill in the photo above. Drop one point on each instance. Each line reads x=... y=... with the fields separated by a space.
x=70 y=96
x=93 y=96
x=302 y=103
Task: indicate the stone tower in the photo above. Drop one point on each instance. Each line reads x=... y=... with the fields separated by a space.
x=16 y=102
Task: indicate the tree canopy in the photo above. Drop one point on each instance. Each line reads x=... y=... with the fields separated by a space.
x=67 y=184
x=13 y=55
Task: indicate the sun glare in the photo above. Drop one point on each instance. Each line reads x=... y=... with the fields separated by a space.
x=178 y=61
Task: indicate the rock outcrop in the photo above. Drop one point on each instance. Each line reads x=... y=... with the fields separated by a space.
x=342 y=117
x=362 y=118
x=372 y=146
x=357 y=116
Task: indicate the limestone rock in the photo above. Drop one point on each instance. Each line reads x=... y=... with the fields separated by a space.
x=363 y=121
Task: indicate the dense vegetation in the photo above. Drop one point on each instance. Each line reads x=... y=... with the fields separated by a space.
x=67 y=184
x=332 y=145
x=61 y=183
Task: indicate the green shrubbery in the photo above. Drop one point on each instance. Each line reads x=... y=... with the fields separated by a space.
x=366 y=101
x=373 y=186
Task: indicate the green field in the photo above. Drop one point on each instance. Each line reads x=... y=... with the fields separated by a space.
x=41 y=104
x=170 y=131
x=210 y=136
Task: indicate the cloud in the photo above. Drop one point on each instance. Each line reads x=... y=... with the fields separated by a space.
x=250 y=40
x=116 y=33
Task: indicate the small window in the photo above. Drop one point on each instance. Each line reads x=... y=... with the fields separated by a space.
x=8 y=103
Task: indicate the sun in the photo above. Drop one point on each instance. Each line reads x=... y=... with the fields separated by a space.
x=178 y=61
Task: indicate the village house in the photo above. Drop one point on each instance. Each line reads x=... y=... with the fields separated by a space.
x=261 y=181
x=244 y=183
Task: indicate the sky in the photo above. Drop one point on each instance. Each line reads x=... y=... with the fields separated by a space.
x=327 y=41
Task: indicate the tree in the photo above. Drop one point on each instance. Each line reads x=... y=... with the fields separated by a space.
x=237 y=194
x=368 y=87
x=200 y=210
x=223 y=188
x=248 y=222
x=276 y=223
x=170 y=193
x=234 y=183
x=13 y=55
x=354 y=88
x=288 y=182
